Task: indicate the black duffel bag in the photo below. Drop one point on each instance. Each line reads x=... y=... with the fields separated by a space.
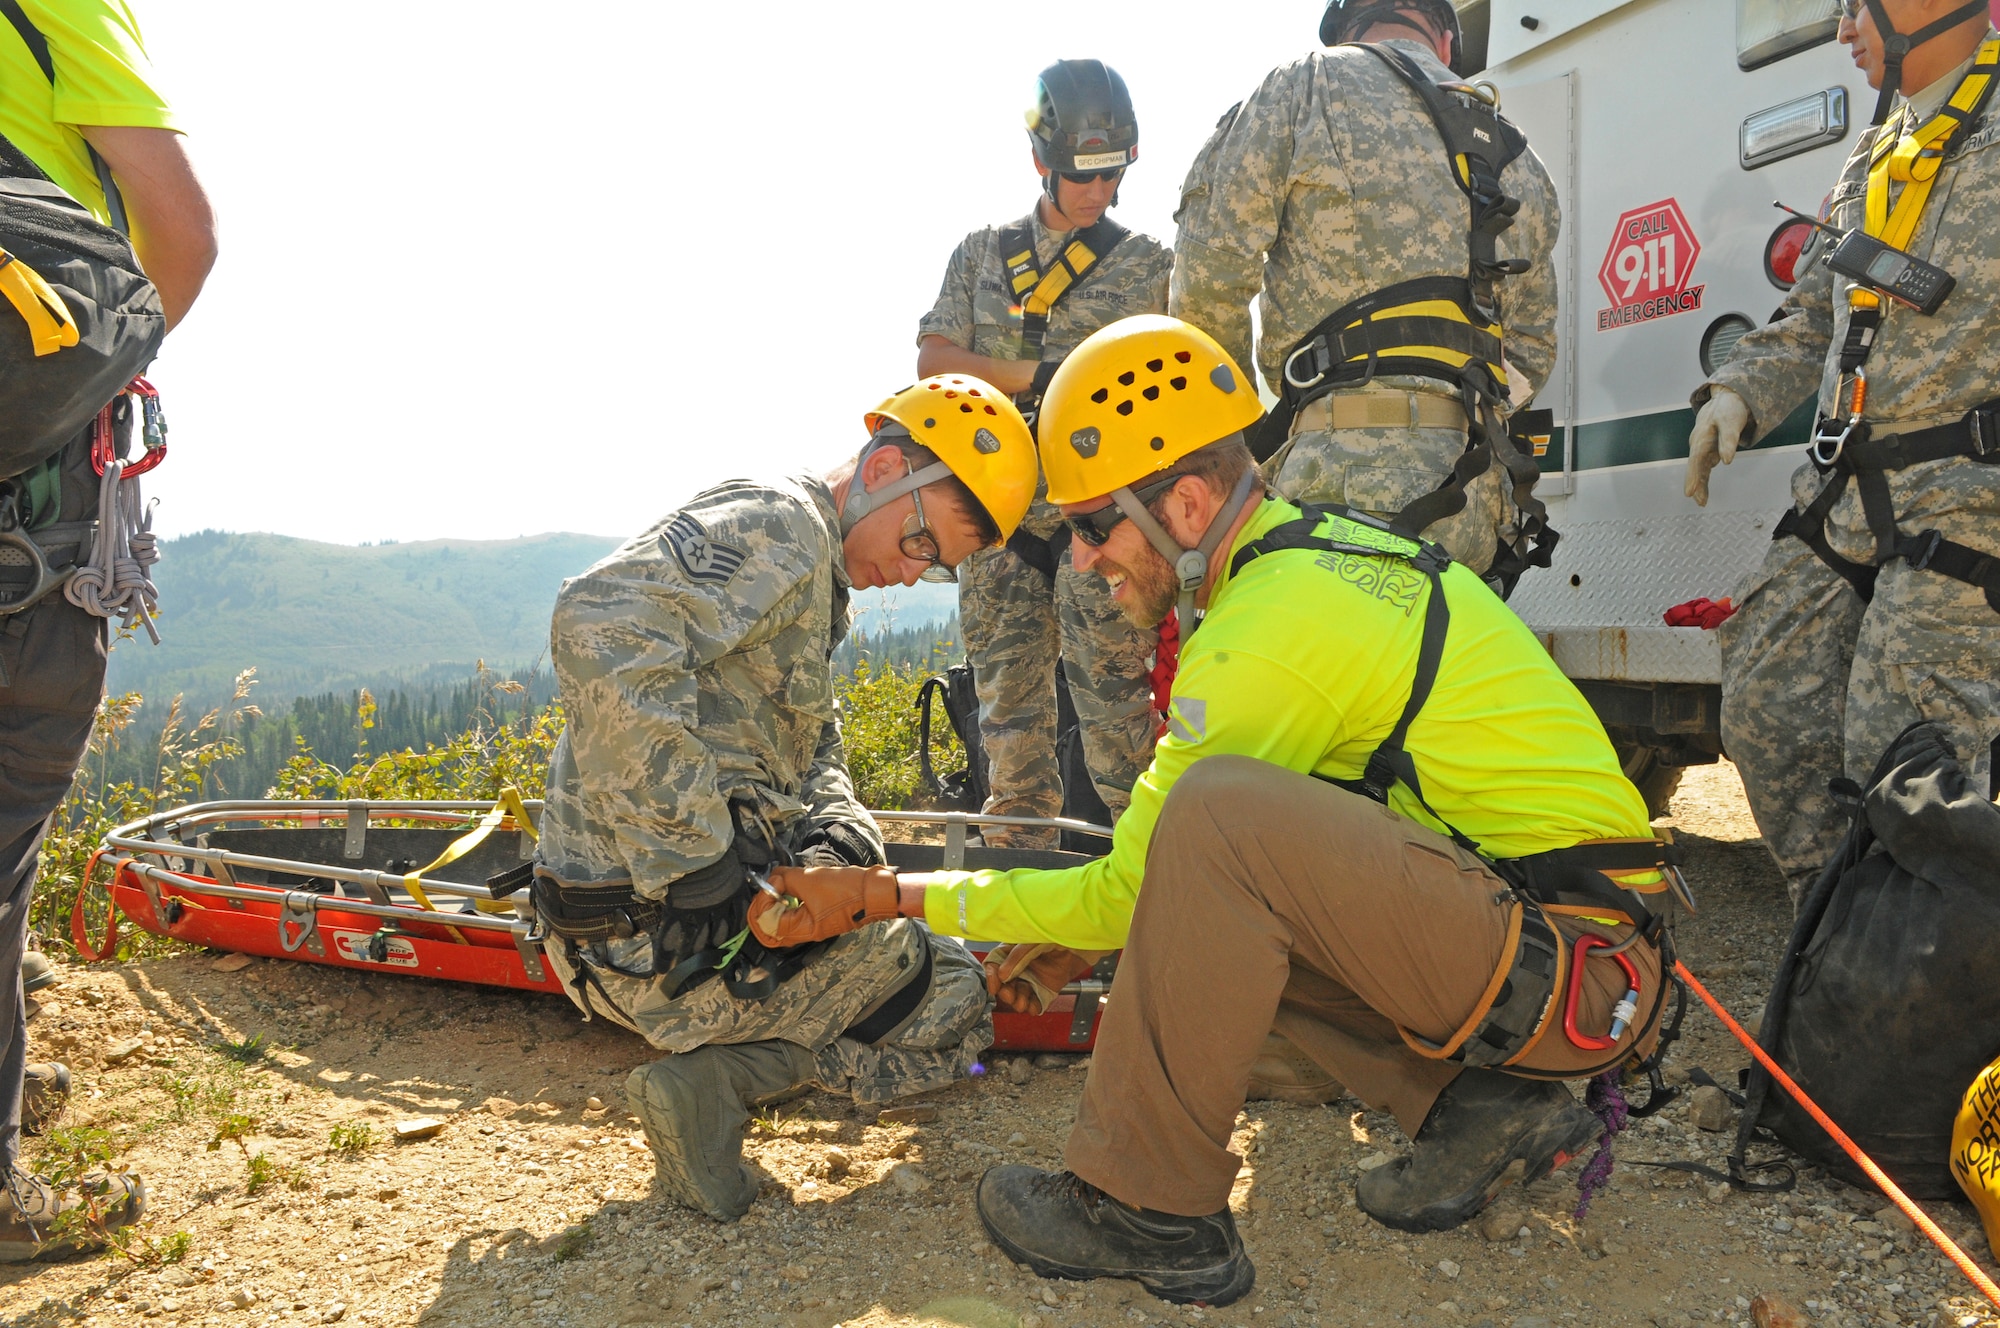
x=1887 y=1003
x=71 y=287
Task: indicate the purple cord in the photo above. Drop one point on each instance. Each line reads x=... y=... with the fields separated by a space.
x=1607 y=1102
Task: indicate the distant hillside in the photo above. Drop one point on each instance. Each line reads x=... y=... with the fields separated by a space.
x=312 y=617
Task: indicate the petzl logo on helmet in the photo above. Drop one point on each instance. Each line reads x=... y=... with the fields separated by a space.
x=985 y=443
x=1085 y=442
x=1099 y=161
x=709 y=562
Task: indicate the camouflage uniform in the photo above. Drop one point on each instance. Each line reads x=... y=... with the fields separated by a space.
x=693 y=667
x=1327 y=183
x=1814 y=683
x=1014 y=626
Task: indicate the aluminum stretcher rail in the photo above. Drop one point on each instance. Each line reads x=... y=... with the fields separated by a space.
x=338 y=882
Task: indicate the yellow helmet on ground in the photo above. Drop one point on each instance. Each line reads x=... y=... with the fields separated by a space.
x=1134 y=398
x=978 y=435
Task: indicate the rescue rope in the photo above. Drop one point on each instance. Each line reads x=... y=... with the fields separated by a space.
x=114 y=583
x=1889 y=1187
x=1607 y=1102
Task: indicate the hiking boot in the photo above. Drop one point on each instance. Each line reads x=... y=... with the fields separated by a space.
x=43 y=1093
x=37 y=972
x=39 y=1221
x=1063 y=1226
x=1487 y=1130
x=1285 y=1074
x=693 y=1107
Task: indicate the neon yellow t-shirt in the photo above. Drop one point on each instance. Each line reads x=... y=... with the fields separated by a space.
x=1305 y=660
x=102 y=77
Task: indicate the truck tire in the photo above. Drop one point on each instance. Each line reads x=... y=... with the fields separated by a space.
x=1655 y=780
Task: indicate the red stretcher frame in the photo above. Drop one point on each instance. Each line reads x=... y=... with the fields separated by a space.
x=161 y=873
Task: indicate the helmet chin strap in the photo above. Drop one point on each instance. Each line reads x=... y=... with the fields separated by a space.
x=860 y=502
x=1896 y=46
x=1190 y=565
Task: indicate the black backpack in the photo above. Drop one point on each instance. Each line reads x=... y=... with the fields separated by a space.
x=1887 y=1003
x=76 y=282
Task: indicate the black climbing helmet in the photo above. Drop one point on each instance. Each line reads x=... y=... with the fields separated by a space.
x=1346 y=20
x=1081 y=121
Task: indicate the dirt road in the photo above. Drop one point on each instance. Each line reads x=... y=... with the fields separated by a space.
x=260 y=1106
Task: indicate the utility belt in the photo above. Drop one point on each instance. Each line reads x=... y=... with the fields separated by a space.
x=1848 y=451
x=1380 y=410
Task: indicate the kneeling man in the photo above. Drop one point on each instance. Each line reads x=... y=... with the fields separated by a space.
x=1381 y=819
x=702 y=749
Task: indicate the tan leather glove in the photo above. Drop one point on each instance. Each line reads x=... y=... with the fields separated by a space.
x=1720 y=427
x=821 y=903
x=1026 y=979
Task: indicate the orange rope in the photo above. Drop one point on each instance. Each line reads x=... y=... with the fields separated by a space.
x=1853 y=1150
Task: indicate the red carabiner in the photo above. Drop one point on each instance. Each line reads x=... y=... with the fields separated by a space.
x=1622 y=1015
x=153 y=431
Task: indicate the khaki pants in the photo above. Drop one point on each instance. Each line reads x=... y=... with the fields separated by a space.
x=1272 y=894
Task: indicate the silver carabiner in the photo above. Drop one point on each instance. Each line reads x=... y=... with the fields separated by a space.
x=1310 y=382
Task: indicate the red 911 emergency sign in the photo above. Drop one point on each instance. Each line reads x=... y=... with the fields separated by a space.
x=1645 y=272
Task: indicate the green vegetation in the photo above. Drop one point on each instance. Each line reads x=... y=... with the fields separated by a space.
x=573 y=1242
x=351 y=1138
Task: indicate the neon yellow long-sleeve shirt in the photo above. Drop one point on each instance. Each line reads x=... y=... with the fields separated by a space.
x=1305 y=660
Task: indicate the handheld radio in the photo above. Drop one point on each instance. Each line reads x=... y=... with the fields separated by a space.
x=1901 y=276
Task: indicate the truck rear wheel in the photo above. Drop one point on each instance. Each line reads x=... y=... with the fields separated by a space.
x=1654 y=778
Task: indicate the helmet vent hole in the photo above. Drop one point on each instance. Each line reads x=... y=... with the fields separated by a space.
x=1182 y=356
x=1152 y=393
x=1155 y=366
x=1178 y=384
x=1159 y=444
x=991 y=411
x=1125 y=408
x=1100 y=396
x=1125 y=379
x=965 y=407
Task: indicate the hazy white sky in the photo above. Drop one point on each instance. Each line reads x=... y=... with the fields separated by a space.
x=490 y=269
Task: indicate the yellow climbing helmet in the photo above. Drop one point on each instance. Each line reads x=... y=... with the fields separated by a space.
x=1134 y=398
x=978 y=435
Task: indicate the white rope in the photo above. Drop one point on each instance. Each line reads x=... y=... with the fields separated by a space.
x=114 y=582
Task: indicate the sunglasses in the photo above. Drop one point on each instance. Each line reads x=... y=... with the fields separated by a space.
x=920 y=543
x=1105 y=177
x=1094 y=528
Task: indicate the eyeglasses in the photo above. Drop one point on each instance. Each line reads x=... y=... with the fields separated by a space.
x=1094 y=528
x=1106 y=177
x=920 y=542
x=1852 y=8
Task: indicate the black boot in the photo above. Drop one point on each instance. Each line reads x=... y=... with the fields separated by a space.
x=1487 y=1130
x=1062 y=1226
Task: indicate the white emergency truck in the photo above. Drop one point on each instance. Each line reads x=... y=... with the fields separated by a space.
x=1669 y=127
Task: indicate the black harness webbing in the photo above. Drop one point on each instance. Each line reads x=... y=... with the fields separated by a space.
x=1044 y=555
x=1398 y=329
x=1039 y=292
x=889 y=1016
x=1868 y=461
x=1571 y=877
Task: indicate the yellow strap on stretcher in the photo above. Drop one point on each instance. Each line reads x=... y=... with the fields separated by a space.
x=507 y=806
x=50 y=327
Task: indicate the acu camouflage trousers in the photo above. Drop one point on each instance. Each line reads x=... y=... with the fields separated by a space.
x=1015 y=625
x=1815 y=684
x=838 y=987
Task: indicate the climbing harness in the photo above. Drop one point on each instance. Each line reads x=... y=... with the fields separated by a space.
x=1038 y=292
x=1843 y=445
x=1593 y=881
x=1438 y=327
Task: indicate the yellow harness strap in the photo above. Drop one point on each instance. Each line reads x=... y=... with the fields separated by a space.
x=50 y=326
x=507 y=806
x=1911 y=161
x=1039 y=291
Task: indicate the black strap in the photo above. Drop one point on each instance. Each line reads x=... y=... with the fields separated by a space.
x=38 y=46
x=1100 y=238
x=889 y=1016
x=1896 y=46
x=1808 y=526
x=1044 y=555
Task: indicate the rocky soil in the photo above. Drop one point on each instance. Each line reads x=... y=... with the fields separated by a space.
x=261 y=1103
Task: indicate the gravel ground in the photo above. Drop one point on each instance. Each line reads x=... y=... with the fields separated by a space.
x=260 y=1105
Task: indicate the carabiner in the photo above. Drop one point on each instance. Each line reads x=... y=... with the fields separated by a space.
x=152 y=431
x=1622 y=1014
x=1309 y=383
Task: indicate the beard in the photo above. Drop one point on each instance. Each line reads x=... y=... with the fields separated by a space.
x=1151 y=588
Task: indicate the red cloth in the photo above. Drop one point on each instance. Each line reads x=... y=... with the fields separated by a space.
x=1166 y=662
x=1706 y=614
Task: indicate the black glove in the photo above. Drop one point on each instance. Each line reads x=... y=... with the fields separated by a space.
x=838 y=844
x=707 y=887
